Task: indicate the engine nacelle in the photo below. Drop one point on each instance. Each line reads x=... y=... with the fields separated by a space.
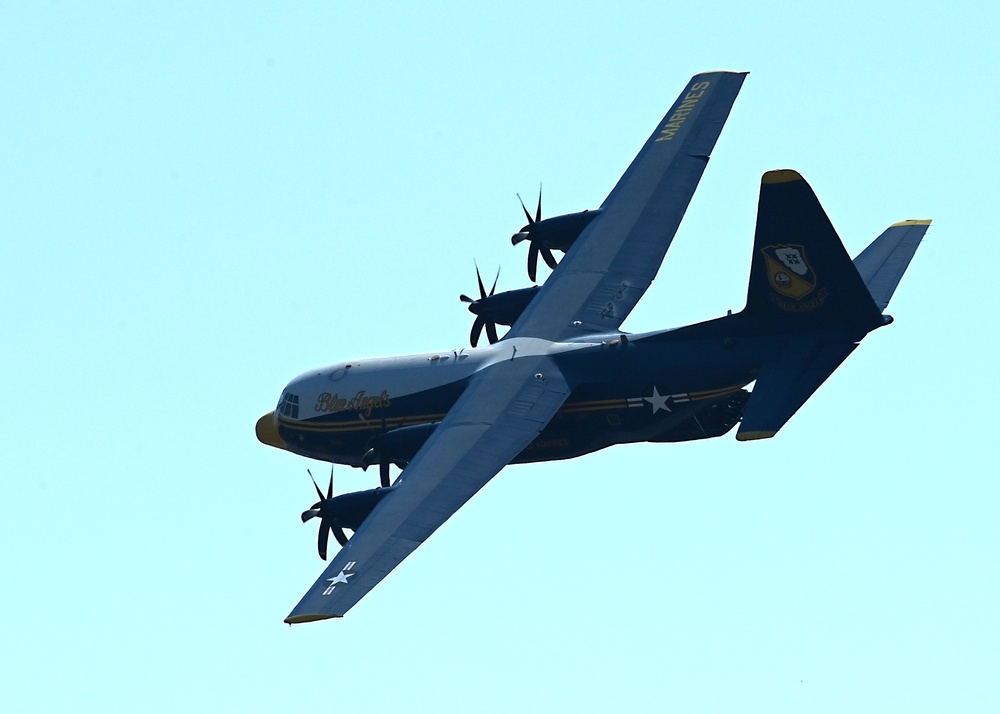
x=558 y=232
x=504 y=308
x=349 y=510
x=400 y=445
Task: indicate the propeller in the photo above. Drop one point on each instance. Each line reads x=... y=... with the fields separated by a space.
x=378 y=452
x=476 y=308
x=525 y=234
x=321 y=509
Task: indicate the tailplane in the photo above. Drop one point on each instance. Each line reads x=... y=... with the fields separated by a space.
x=803 y=284
x=882 y=264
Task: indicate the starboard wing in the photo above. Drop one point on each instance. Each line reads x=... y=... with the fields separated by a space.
x=502 y=410
x=616 y=257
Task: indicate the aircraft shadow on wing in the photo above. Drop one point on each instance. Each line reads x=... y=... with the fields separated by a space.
x=565 y=380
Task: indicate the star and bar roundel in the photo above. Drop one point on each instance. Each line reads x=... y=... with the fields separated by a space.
x=659 y=401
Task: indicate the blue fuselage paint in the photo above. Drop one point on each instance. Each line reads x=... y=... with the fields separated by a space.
x=673 y=385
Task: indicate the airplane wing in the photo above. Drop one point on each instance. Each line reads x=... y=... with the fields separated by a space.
x=506 y=405
x=616 y=257
x=502 y=410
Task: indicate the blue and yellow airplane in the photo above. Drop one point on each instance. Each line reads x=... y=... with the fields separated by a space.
x=565 y=380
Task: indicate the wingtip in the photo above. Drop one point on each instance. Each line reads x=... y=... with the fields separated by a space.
x=724 y=71
x=311 y=617
x=919 y=222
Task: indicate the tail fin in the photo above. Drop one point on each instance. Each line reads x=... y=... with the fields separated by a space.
x=883 y=263
x=803 y=284
x=801 y=276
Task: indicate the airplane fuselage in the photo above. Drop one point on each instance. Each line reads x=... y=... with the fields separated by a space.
x=674 y=385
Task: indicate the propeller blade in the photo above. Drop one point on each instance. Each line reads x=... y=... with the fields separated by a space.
x=339 y=534
x=538 y=213
x=465 y=298
x=532 y=261
x=329 y=489
x=491 y=331
x=526 y=214
x=494 y=288
x=311 y=513
x=383 y=473
x=324 y=537
x=550 y=260
x=477 y=329
x=482 y=288
x=316 y=485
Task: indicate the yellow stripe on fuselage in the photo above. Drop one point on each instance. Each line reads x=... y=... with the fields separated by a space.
x=395 y=422
x=594 y=406
x=714 y=393
x=372 y=424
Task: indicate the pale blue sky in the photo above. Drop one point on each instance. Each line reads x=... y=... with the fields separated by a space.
x=197 y=204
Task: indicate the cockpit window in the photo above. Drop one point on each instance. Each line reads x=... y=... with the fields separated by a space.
x=288 y=405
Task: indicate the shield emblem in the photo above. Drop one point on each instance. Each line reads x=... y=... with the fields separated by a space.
x=787 y=270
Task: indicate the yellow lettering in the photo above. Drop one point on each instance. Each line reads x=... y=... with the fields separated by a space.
x=333 y=403
x=682 y=110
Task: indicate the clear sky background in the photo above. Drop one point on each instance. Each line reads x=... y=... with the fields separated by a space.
x=198 y=203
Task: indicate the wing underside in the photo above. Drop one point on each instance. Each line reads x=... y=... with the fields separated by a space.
x=507 y=405
x=501 y=412
x=609 y=267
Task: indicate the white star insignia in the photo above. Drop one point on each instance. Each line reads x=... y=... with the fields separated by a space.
x=659 y=402
x=342 y=578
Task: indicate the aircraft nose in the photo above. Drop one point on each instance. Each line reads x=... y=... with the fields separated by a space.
x=267 y=431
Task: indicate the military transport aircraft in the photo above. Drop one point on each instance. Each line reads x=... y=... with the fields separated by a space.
x=566 y=380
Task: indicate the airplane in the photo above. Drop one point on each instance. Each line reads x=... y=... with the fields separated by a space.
x=565 y=380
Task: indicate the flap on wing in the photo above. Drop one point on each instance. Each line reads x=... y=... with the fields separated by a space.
x=785 y=383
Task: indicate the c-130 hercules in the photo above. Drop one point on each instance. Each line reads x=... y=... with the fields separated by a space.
x=565 y=380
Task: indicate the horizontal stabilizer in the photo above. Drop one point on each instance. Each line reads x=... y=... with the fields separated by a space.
x=883 y=263
x=785 y=383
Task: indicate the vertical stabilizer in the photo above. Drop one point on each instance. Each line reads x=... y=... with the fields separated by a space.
x=801 y=276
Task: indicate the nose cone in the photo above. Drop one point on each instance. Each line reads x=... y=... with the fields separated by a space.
x=267 y=431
